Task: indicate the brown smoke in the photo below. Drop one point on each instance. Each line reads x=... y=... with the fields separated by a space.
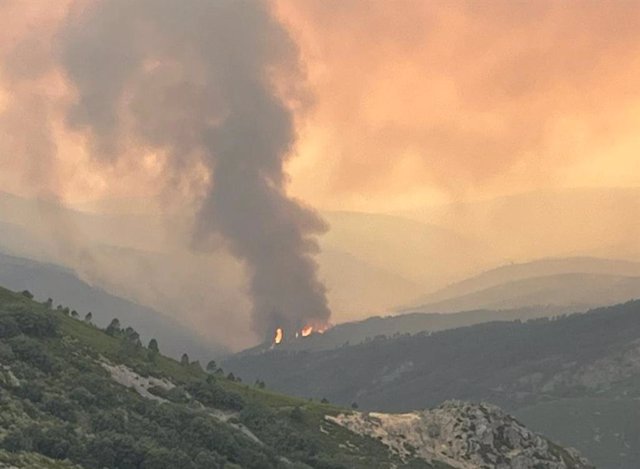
x=194 y=82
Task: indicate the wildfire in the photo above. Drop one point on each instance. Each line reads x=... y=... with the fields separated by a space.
x=306 y=331
x=279 y=336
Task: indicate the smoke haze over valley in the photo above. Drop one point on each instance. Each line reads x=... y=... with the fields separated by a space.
x=383 y=204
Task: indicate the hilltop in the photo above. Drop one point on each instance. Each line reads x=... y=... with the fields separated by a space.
x=75 y=396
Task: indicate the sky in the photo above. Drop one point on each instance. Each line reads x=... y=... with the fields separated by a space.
x=405 y=103
x=394 y=108
x=416 y=99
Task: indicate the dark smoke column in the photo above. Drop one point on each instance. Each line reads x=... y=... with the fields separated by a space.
x=194 y=79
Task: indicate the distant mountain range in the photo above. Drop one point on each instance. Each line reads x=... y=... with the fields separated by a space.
x=371 y=263
x=576 y=291
x=575 y=377
x=536 y=271
x=543 y=288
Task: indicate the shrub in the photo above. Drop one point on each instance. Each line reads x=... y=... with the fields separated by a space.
x=27 y=294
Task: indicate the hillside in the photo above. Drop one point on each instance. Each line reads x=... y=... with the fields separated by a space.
x=543 y=288
x=528 y=270
x=549 y=372
x=75 y=396
x=64 y=287
x=574 y=291
x=353 y=333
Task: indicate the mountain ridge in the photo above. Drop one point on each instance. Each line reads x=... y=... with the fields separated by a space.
x=536 y=268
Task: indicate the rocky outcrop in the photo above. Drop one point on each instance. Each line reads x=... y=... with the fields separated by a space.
x=125 y=376
x=464 y=436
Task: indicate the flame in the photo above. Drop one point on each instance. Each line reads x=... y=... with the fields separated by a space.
x=279 y=336
x=308 y=330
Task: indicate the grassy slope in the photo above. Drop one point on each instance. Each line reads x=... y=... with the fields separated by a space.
x=333 y=446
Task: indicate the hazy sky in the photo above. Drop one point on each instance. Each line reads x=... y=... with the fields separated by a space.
x=406 y=102
x=471 y=98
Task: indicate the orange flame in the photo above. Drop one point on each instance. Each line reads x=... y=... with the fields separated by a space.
x=306 y=331
x=279 y=336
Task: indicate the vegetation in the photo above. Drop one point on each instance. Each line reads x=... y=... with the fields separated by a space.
x=487 y=361
x=605 y=427
x=557 y=374
x=100 y=307
x=62 y=408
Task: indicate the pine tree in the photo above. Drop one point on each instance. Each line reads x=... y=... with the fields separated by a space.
x=114 y=327
x=153 y=346
x=27 y=294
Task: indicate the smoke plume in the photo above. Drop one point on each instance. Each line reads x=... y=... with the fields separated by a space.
x=106 y=104
x=196 y=84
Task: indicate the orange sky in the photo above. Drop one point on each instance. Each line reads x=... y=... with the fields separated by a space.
x=411 y=102
x=468 y=99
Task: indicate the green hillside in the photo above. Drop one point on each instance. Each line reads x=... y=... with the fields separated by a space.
x=575 y=378
x=61 y=406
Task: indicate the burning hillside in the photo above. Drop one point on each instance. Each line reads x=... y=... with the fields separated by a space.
x=306 y=331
